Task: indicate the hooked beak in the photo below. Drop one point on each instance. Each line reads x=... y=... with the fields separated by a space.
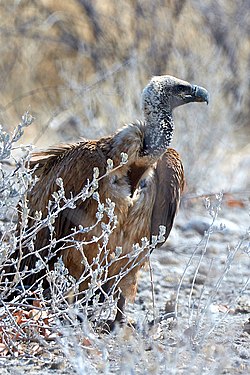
x=200 y=94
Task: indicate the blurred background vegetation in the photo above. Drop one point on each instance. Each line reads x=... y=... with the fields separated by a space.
x=79 y=67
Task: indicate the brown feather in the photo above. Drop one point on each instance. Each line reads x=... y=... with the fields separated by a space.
x=146 y=190
x=140 y=211
x=169 y=175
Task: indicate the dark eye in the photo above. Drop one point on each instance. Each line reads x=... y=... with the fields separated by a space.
x=182 y=87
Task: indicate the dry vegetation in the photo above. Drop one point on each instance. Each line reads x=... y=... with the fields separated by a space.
x=79 y=68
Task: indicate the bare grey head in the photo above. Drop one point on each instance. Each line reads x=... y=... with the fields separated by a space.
x=159 y=98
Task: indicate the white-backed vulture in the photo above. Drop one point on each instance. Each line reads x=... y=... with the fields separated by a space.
x=146 y=190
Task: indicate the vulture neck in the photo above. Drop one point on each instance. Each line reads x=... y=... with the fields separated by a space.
x=159 y=131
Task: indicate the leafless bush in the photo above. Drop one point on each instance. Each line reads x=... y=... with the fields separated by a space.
x=33 y=324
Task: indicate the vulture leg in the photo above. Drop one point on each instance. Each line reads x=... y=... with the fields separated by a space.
x=120 y=317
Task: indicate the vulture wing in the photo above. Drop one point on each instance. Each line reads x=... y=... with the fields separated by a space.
x=74 y=164
x=169 y=182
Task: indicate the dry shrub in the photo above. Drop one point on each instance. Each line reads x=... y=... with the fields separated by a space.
x=62 y=329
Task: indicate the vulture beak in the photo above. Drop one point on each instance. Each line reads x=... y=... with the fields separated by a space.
x=200 y=94
x=187 y=93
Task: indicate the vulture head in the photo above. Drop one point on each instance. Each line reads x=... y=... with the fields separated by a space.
x=170 y=92
x=159 y=98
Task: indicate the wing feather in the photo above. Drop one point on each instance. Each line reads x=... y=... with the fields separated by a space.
x=61 y=161
x=169 y=181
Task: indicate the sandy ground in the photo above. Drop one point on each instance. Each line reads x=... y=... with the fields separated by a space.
x=212 y=332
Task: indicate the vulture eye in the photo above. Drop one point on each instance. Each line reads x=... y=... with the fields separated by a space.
x=182 y=88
